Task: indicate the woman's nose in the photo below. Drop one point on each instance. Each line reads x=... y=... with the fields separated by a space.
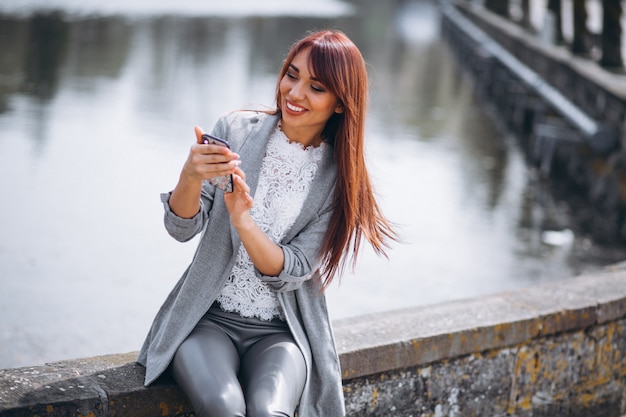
x=297 y=91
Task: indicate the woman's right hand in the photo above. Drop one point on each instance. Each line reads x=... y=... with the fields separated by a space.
x=208 y=161
x=204 y=162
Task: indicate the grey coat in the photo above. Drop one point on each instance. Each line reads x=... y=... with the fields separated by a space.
x=297 y=286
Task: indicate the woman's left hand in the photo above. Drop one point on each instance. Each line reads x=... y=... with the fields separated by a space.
x=239 y=202
x=266 y=255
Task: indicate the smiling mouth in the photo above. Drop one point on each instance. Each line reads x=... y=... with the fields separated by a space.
x=294 y=108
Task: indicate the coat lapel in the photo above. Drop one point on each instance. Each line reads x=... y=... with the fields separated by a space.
x=252 y=152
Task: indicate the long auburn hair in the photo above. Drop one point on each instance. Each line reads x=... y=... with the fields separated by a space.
x=338 y=64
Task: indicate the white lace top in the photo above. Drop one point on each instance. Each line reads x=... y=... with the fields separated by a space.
x=284 y=181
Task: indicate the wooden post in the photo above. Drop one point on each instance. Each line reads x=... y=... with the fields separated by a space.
x=526 y=14
x=500 y=7
x=580 y=45
x=555 y=7
x=611 y=34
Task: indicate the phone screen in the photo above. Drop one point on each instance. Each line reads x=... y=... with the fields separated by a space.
x=225 y=182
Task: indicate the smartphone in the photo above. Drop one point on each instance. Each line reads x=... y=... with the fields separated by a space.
x=225 y=182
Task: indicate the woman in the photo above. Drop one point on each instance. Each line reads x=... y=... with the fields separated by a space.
x=245 y=332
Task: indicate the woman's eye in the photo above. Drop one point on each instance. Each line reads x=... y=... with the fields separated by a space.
x=317 y=88
x=290 y=75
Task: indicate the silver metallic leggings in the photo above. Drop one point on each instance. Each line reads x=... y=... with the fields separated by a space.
x=231 y=366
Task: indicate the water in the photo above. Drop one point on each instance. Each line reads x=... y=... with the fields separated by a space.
x=97 y=109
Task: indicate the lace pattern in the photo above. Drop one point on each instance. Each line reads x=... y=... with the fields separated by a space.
x=284 y=182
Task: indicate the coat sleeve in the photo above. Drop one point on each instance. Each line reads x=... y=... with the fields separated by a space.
x=302 y=254
x=183 y=229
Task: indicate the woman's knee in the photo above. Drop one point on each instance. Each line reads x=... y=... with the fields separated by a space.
x=263 y=409
x=226 y=402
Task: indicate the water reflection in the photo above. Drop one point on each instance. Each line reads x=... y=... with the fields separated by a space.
x=96 y=117
x=186 y=8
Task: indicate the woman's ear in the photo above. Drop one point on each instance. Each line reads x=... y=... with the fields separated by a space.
x=340 y=108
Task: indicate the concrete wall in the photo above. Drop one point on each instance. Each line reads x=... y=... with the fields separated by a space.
x=594 y=183
x=553 y=350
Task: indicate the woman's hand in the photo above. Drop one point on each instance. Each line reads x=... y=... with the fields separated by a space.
x=203 y=162
x=267 y=256
x=239 y=202
x=208 y=161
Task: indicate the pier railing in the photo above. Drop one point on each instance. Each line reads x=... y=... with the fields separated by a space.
x=565 y=111
x=526 y=100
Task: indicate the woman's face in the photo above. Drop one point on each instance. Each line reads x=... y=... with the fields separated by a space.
x=305 y=102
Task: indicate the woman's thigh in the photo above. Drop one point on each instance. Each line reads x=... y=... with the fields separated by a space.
x=273 y=373
x=205 y=367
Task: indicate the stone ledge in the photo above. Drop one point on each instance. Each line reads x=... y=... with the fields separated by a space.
x=112 y=385
x=411 y=337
